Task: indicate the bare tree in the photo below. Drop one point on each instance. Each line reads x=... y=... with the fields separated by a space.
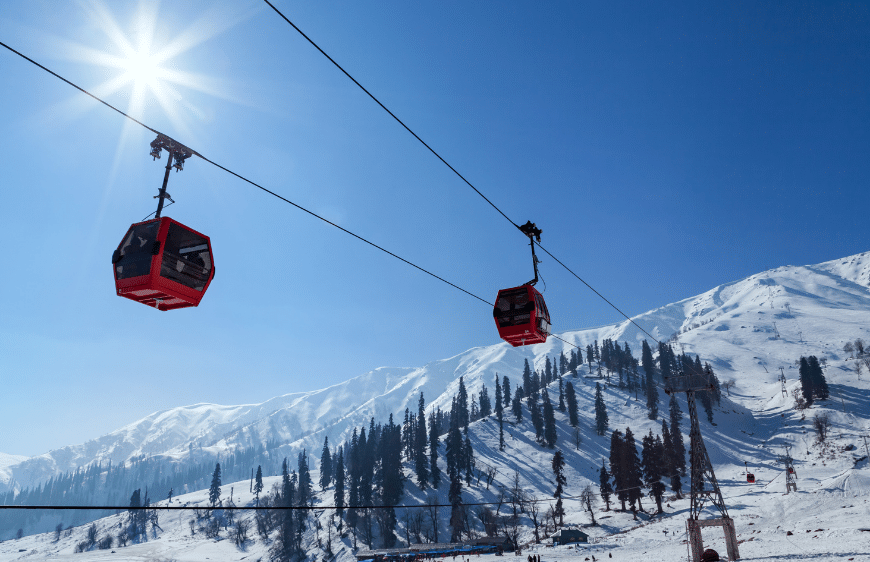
x=588 y=500
x=728 y=384
x=485 y=472
x=417 y=525
x=488 y=520
x=822 y=425
x=859 y=347
x=534 y=512
x=578 y=438
x=432 y=510
x=240 y=532
x=517 y=496
x=849 y=348
x=550 y=517
x=511 y=527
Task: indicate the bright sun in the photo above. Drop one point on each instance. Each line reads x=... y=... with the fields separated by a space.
x=144 y=59
x=143 y=70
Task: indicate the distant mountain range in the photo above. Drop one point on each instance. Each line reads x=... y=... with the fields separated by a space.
x=746 y=329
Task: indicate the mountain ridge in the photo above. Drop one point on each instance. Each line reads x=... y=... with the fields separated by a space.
x=302 y=420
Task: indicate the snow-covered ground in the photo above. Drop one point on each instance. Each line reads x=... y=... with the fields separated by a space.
x=747 y=330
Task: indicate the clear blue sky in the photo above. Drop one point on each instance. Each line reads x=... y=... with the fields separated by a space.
x=663 y=149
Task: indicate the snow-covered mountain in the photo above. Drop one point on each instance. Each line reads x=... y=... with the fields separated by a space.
x=748 y=330
x=814 y=309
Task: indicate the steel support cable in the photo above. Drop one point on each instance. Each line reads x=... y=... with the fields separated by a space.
x=267 y=508
x=270 y=192
x=393 y=115
x=597 y=293
x=155 y=131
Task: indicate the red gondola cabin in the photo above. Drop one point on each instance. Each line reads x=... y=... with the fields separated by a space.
x=163 y=264
x=750 y=478
x=521 y=316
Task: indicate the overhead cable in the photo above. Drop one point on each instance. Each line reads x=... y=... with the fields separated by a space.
x=402 y=123
x=301 y=208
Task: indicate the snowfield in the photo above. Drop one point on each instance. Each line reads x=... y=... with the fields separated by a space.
x=749 y=330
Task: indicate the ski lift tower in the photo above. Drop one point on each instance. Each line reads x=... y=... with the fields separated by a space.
x=790 y=476
x=702 y=472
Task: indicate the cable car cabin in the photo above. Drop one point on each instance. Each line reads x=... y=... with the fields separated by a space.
x=790 y=470
x=163 y=264
x=521 y=316
x=750 y=478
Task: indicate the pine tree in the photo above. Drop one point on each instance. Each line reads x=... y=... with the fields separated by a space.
x=550 y=434
x=537 y=418
x=527 y=377
x=604 y=484
x=601 y=420
x=354 y=460
x=806 y=381
x=214 y=492
x=258 y=484
x=389 y=478
x=670 y=462
x=499 y=413
x=421 y=465
x=571 y=400
x=820 y=384
x=325 y=465
x=633 y=471
x=616 y=466
x=590 y=357
x=485 y=404
x=468 y=459
x=561 y=395
x=652 y=462
x=652 y=393
x=506 y=392
x=462 y=404
x=558 y=465
x=305 y=488
x=453 y=455
x=517 y=404
x=434 y=442
x=338 y=495
x=548 y=370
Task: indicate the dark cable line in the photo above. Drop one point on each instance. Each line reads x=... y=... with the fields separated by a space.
x=155 y=131
x=253 y=183
x=377 y=101
x=56 y=75
x=316 y=46
x=596 y=292
x=266 y=508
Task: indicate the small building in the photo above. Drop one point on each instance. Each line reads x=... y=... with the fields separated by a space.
x=569 y=536
x=482 y=545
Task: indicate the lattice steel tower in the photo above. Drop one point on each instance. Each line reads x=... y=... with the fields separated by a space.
x=702 y=472
x=790 y=475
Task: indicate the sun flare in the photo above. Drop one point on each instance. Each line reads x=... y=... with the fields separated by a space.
x=143 y=70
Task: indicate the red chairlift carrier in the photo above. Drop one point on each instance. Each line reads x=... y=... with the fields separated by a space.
x=520 y=313
x=161 y=262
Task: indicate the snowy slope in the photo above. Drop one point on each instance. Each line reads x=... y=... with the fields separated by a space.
x=827 y=303
x=815 y=310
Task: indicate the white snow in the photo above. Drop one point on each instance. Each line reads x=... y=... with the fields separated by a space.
x=816 y=309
